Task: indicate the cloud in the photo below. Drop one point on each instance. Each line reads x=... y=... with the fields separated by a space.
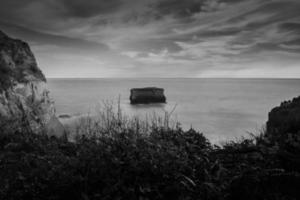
x=83 y=8
x=159 y=37
x=40 y=39
x=290 y=27
x=178 y=8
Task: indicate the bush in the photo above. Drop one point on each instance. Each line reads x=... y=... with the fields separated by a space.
x=113 y=157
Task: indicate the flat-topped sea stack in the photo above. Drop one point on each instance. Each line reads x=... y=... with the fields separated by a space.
x=147 y=95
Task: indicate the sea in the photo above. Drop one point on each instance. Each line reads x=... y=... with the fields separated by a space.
x=221 y=109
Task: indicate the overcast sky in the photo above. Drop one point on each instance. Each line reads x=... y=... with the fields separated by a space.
x=159 y=38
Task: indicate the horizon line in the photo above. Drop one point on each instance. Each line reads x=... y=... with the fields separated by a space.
x=172 y=77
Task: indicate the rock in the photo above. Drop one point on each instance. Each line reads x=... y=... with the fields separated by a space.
x=285 y=118
x=24 y=97
x=54 y=127
x=147 y=95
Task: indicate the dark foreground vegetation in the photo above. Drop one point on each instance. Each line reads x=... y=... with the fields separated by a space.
x=165 y=163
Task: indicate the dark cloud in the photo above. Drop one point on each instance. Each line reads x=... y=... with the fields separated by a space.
x=277 y=10
x=295 y=42
x=218 y=33
x=265 y=28
x=232 y=1
x=83 y=8
x=178 y=8
x=39 y=38
x=69 y=8
x=290 y=27
x=264 y=46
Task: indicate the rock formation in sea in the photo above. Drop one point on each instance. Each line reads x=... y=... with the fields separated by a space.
x=24 y=97
x=147 y=95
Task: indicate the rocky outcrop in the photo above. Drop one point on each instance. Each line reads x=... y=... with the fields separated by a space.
x=147 y=95
x=24 y=97
x=285 y=118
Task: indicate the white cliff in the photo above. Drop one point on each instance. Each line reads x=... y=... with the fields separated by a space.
x=24 y=97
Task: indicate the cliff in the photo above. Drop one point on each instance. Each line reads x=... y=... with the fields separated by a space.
x=147 y=95
x=24 y=97
x=285 y=118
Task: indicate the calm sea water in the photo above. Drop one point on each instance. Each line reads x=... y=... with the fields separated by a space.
x=220 y=108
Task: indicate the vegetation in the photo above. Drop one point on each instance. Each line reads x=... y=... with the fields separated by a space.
x=5 y=77
x=113 y=157
x=16 y=61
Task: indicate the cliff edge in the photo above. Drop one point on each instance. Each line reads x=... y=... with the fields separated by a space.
x=285 y=118
x=24 y=97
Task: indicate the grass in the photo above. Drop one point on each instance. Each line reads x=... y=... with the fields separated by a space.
x=116 y=157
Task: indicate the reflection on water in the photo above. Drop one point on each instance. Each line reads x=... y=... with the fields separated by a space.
x=148 y=106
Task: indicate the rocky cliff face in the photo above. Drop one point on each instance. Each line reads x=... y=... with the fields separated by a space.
x=23 y=93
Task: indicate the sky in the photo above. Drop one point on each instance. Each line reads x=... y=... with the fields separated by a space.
x=159 y=38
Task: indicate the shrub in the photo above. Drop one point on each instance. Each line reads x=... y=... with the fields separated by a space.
x=114 y=157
